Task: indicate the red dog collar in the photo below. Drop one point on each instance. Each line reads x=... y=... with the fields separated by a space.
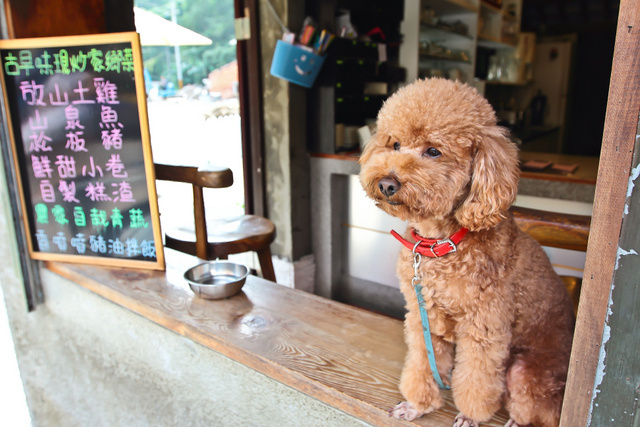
x=433 y=248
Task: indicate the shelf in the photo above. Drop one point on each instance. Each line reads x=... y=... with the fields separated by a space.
x=493 y=42
x=424 y=54
x=443 y=29
x=498 y=28
x=447 y=7
x=491 y=7
x=503 y=83
x=428 y=46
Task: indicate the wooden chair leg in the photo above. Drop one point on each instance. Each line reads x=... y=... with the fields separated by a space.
x=266 y=264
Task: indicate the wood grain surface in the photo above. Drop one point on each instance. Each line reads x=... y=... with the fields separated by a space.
x=608 y=210
x=348 y=358
x=586 y=173
x=554 y=229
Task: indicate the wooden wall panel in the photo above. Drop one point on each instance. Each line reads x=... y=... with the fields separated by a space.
x=45 y=18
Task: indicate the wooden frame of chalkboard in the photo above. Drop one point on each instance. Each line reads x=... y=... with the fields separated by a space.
x=79 y=135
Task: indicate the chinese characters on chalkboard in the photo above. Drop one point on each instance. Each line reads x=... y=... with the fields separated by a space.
x=78 y=141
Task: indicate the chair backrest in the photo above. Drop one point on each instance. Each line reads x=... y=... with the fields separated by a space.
x=208 y=176
x=558 y=230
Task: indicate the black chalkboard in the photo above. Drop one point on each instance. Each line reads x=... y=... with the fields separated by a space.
x=79 y=133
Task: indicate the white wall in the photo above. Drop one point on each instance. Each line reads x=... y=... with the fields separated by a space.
x=367 y=230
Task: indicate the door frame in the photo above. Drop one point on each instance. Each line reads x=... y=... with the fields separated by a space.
x=586 y=369
x=251 y=109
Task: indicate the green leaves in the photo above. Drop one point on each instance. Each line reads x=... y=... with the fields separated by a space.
x=211 y=18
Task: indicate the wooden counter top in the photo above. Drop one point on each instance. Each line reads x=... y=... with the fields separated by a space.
x=348 y=358
x=587 y=171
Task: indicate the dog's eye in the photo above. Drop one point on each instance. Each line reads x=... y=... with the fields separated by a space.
x=396 y=146
x=432 y=152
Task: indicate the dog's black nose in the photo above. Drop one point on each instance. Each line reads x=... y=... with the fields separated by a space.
x=388 y=186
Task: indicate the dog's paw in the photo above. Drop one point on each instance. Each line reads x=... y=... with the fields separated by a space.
x=462 y=421
x=511 y=423
x=405 y=411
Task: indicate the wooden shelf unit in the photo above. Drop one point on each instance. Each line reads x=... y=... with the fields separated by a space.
x=487 y=27
x=497 y=26
x=423 y=34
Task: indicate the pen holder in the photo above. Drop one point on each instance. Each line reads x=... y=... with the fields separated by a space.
x=294 y=64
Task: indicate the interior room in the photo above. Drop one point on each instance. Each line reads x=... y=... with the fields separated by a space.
x=257 y=141
x=513 y=52
x=543 y=66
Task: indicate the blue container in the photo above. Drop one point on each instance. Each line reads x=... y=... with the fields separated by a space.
x=297 y=65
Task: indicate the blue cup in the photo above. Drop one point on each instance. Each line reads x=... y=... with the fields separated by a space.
x=294 y=64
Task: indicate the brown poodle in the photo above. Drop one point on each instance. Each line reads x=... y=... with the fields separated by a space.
x=501 y=320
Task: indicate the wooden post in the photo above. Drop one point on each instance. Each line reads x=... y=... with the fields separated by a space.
x=595 y=360
x=616 y=391
x=47 y=18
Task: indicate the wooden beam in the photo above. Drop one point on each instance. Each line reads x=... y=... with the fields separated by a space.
x=251 y=109
x=611 y=190
x=47 y=18
x=615 y=392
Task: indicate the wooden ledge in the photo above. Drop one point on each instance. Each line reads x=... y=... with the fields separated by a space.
x=586 y=173
x=345 y=357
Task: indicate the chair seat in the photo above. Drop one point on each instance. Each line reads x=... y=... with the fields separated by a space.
x=212 y=239
x=225 y=236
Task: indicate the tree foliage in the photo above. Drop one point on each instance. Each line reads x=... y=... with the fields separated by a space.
x=211 y=18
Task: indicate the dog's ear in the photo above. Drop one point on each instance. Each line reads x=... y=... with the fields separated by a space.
x=494 y=181
x=370 y=145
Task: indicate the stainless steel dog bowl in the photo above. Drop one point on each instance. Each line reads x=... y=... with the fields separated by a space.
x=216 y=279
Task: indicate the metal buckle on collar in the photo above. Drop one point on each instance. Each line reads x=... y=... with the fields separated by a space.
x=454 y=248
x=416 y=264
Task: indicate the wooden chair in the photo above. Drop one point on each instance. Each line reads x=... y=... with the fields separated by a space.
x=220 y=238
x=556 y=230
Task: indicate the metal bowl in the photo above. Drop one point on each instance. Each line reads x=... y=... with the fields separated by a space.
x=216 y=279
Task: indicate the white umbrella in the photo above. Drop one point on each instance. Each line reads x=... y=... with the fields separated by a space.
x=154 y=30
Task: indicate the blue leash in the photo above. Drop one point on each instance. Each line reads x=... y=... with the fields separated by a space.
x=426 y=330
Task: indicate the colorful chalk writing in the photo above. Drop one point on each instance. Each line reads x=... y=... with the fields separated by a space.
x=59 y=61
x=78 y=142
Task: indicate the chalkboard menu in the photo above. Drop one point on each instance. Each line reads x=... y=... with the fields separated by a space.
x=77 y=120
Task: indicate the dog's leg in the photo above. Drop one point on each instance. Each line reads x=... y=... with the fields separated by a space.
x=462 y=421
x=417 y=384
x=534 y=391
x=478 y=380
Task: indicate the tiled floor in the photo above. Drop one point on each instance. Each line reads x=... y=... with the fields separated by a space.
x=13 y=406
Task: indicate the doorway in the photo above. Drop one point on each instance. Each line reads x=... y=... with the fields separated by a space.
x=191 y=78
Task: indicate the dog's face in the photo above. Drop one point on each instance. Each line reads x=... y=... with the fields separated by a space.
x=438 y=154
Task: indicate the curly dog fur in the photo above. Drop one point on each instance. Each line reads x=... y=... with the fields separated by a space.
x=501 y=319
